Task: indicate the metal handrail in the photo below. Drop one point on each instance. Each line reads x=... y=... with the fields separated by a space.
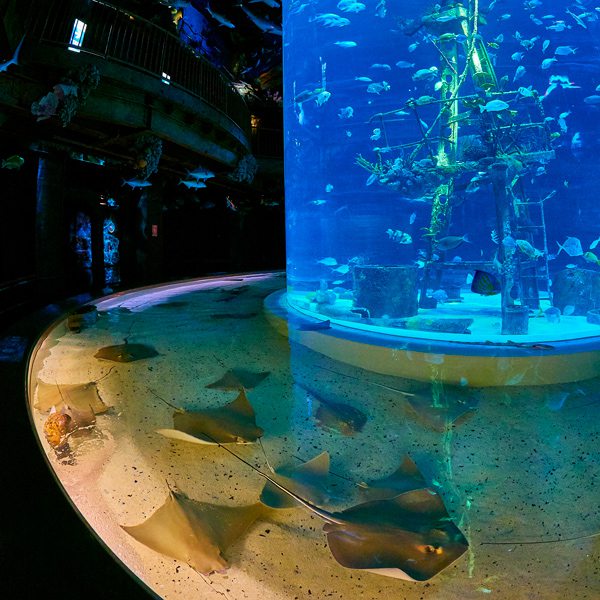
x=117 y=35
x=267 y=142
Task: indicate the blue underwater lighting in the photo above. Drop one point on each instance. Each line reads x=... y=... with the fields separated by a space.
x=111 y=252
x=77 y=35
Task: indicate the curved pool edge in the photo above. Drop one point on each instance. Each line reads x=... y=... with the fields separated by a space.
x=473 y=364
x=36 y=353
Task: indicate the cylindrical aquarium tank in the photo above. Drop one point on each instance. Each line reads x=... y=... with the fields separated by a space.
x=440 y=178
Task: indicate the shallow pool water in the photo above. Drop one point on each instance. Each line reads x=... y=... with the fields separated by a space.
x=517 y=468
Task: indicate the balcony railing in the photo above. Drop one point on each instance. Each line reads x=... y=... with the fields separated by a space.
x=267 y=143
x=119 y=36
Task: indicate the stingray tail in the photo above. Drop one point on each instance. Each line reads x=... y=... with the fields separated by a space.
x=323 y=514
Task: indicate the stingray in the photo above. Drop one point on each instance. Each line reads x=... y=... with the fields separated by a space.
x=79 y=396
x=337 y=416
x=406 y=478
x=410 y=536
x=307 y=481
x=233 y=293
x=172 y=304
x=234 y=423
x=451 y=408
x=314 y=326
x=235 y=379
x=124 y=353
x=194 y=532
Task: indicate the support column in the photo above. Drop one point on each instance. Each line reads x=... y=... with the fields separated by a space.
x=50 y=231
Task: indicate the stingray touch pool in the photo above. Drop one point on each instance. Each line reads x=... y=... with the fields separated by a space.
x=326 y=480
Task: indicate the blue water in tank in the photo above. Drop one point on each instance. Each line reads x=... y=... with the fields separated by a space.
x=397 y=113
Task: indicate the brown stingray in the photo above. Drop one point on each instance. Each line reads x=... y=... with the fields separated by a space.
x=452 y=407
x=232 y=293
x=234 y=423
x=336 y=416
x=307 y=481
x=410 y=536
x=79 y=396
x=126 y=352
x=406 y=478
x=235 y=379
x=172 y=304
x=340 y=417
x=196 y=533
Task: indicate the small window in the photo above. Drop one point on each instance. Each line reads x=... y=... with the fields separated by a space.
x=77 y=34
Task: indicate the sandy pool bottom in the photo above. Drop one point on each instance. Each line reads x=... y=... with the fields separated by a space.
x=518 y=469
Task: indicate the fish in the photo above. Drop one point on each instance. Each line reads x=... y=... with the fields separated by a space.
x=329 y=188
x=548 y=62
x=383 y=66
x=380 y=9
x=425 y=74
x=494 y=106
x=336 y=416
x=126 y=352
x=195 y=185
x=485 y=284
x=409 y=536
x=568 y=310
x=353 y=7
x=13 y=162
x=375 y=135
x=342 y=270
x=270 y=3
x=220 y=19
x=200 y=173
x=594 y=243
x=593 y=100
x=346 y=44
x=519 y=73
x=234 y=423
x=15 y=57
x=526 y=92
x=346 y=112
x=564 y=50
x=264 y=25
x=328 y=262
x=194 y=532
x=412 y=218
x=526 y=248
x=591 y=258
x=136 y=183
x=400 y=237
x=451 y=241
x=377 y=88
x=404 y=64
x=572 y=246
x=330 y=20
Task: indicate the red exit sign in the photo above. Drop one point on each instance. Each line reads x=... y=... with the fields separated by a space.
x=154 y=230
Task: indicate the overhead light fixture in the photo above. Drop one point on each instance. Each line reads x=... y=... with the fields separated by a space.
x=166 y=78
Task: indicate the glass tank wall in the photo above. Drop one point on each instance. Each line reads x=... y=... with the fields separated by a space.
x=441 y=166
